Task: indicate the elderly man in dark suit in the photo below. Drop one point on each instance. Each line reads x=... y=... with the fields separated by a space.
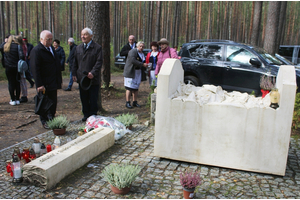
x=87 y=64
x=46 y=71
x=127 y=47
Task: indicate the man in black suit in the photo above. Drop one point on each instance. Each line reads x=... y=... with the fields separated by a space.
x=87 y=64
x=27 y=59
x=46 y=71
x=70 y=61
x=127 y=47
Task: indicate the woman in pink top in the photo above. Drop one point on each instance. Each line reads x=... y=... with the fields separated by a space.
x=166 y=52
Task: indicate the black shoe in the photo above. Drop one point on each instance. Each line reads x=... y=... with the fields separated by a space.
x=46 y=126
x=135 y=104
x=84 y=119
x=31 y=85
x=128 y=105
x=23 y=100
x=67 y=89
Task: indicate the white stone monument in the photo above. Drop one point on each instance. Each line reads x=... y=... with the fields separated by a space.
x=47 y=170
x=225 y=135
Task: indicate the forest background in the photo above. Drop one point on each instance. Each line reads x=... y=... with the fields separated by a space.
x=261 y=23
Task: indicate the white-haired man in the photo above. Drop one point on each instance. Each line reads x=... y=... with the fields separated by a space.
x=46 y=71
x=127 y=47
x=70 y=61
x=87 y=63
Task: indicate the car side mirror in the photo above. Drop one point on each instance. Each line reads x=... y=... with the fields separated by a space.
x=255 y=62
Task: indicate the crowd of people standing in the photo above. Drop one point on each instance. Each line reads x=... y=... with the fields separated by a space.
x=47 y=60
x=138 y=67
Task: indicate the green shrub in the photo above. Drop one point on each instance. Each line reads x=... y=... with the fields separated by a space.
x=296 y=115
x=122 y=175
x=127 y=119
x=58 y=122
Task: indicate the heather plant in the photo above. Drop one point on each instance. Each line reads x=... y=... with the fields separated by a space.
x=190 y=180
x=58 y=122
x=267 y=82
x=121 y=176
x=127 y=119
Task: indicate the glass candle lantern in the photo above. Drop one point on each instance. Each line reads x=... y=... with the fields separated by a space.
x=17 y=151
x=274 y=97
x=56 y=143
x=49 y=148
x=43 y=149
x=36 y=146
x=8 y=166
x=17 y=170
x=32 y=155
x=25 y=155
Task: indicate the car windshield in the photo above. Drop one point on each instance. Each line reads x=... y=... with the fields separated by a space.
x=283 y=59
x=268 y=57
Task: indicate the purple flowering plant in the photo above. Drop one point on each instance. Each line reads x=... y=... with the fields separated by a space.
x=190 y=179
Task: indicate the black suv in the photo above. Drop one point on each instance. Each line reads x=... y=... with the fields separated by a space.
x=231 y=65
x=290 y=52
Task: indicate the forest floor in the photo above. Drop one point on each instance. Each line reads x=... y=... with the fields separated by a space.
x=18 y=123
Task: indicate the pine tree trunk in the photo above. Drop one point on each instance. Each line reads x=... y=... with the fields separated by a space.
x=128 y=21
x=271 y=27
x=144 y=23
x=209 y=32
x=83 y=15
x=43 y=15
x=37 y=20
x=16 y=17
x=256 y=22
x=22 y=15
x=264 y=28
x=187 y=22
x=105 y=42
x=49 y=16
x=168 y=33
x=194 y=31
x=26 y=20
x=53 y=19
x=70 y=19
x=282 y=19
x=77 y=19
x=157 y=26
x=174 y=24
x=2 y=24
x=151 y=22
x=95 y=12
x=115 y=29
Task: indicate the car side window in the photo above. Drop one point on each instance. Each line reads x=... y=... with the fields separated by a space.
x=207 y=51
x=239 y=55
x=286 y=51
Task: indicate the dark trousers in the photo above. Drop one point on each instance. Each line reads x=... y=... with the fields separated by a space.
x=29 y=77
x=89 y=100
x=51 y=112
x=13 y=84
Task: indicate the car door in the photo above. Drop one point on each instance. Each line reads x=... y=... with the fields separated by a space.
x=206 y=62
x=238 y=73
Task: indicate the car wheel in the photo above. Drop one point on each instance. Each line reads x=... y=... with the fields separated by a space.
x=192 y=80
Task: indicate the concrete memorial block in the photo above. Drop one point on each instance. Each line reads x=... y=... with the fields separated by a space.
x=223 y=134
x=47 y=170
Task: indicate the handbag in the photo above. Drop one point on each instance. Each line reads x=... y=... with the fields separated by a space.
x=42 y=104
